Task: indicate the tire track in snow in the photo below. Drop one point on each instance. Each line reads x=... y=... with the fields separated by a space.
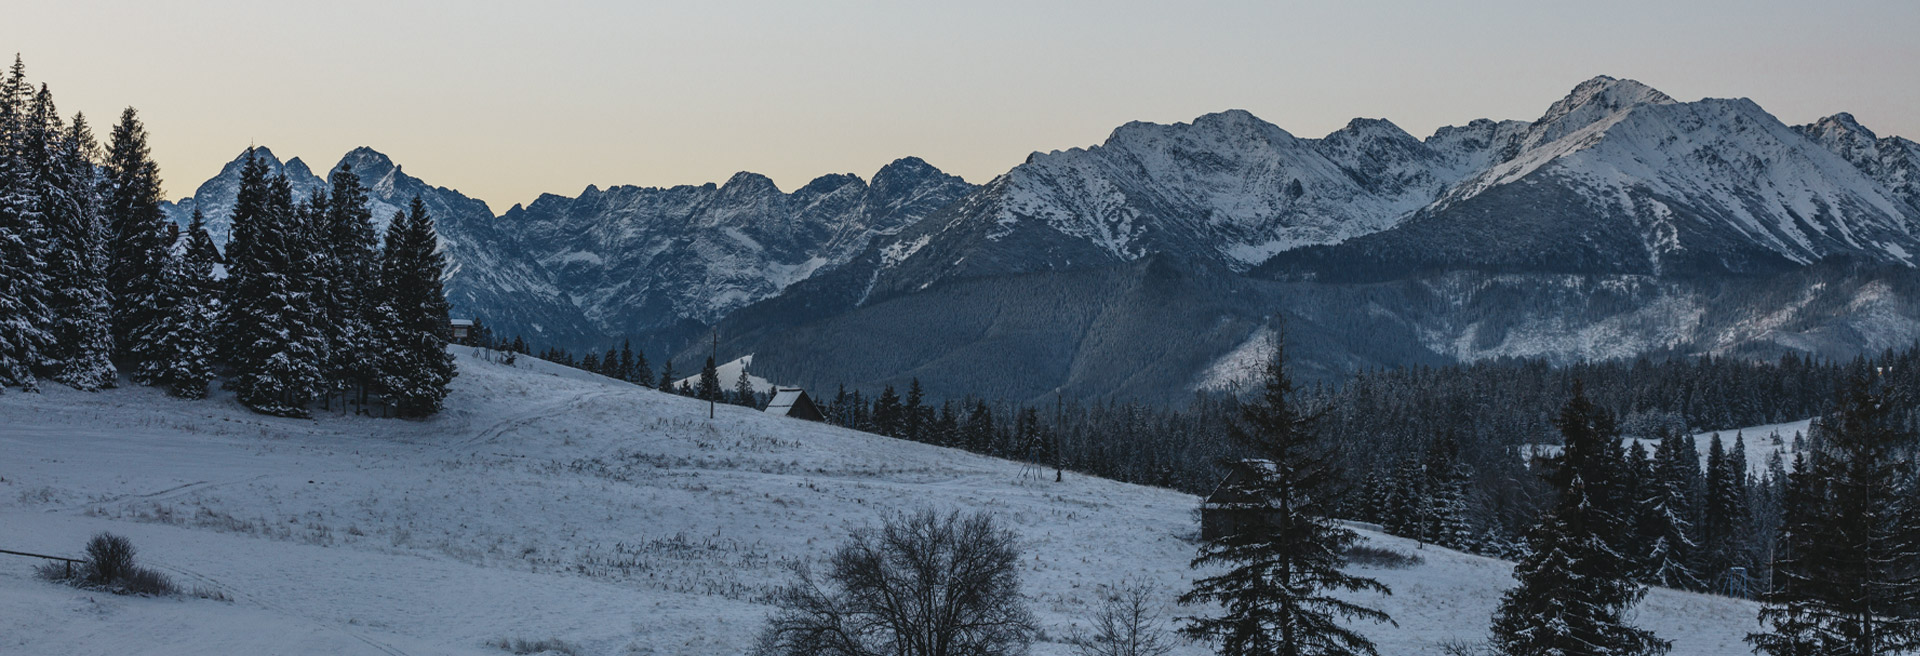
x=491 y=433
x=159 y=495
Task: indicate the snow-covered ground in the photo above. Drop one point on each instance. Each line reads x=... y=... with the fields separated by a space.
x=729 y=374
x=549 y=503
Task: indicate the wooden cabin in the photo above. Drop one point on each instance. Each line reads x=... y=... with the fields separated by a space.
x=794 y=402
x=1223 y=512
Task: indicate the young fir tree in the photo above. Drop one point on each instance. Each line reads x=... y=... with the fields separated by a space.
x=1851 y=566
x=666 y=376
x=351 y=273
x=916 y=412
x=189 y=293
x=709 y=381
x=25 y=318
x=415 y=368
x=1277 y=593
x=625 y=370
x=642 y=374
x=886 y=412
x=268 y=334
x=743 y=393
x=1576 y=582
x=138 y=237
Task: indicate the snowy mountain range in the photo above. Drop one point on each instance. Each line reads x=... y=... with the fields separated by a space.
x=1167 y=247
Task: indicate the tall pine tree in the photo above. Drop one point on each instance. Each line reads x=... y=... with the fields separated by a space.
x=25 y=319
x=1577 y=580
x=268 y=333
x=184 y=344
x=138 y=237
x=352 y=272
x=77 y=260
x=415 y=367
x=1277 y=595
x=1666 y=529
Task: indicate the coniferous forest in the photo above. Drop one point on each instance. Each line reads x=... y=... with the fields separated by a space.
x=313 y=311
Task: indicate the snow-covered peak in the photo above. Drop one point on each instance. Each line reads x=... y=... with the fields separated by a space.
x=829 y=183
x=749 y=183
x=1594 y=101
x=1234 y=128
x=214 y=198
x=1891 y=161
x=1603 y=95
x=371 y=165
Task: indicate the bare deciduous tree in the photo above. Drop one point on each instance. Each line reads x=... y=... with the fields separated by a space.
x=1127 y=622
x=922 y=585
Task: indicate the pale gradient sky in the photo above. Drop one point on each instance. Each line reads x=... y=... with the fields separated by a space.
x=505 y=100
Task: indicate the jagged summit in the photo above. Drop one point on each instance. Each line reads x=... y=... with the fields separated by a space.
x=1593 y=101
x=364 y=159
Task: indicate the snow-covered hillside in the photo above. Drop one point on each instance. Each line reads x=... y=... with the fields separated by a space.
x=548 y=503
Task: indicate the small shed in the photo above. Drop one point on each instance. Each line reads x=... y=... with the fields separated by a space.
x=1227 y=510
x=794 y=402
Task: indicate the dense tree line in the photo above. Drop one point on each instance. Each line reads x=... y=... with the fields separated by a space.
x=1446 y=455
x=313 y=308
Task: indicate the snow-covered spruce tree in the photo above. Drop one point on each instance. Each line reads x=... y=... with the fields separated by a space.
x=415 y=367
x=1445 y=521
x=189 y=293
x=1666 y=532
x=1724 y=518
x=25 y=318
x=351 y=273
x=1277 y=595
x=1576 y=582
x=1848 y=579
x=77 y=264
x=1405 y=509
x=267 y=334
x=1790 y=607
x=137 y=236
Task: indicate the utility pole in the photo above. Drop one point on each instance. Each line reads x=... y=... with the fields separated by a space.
x=713 y=357
x=1059 y=423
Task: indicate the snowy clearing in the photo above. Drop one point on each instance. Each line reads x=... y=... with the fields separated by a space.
x=550 y=503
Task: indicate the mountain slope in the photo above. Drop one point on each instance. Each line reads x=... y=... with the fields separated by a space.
x=1620 y=178
x=639 y=260
x=488 y=277
x=1228 y=189
x=551 y=504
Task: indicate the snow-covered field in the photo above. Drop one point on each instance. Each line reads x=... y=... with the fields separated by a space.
x=549 y=503
x=1761 y=442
